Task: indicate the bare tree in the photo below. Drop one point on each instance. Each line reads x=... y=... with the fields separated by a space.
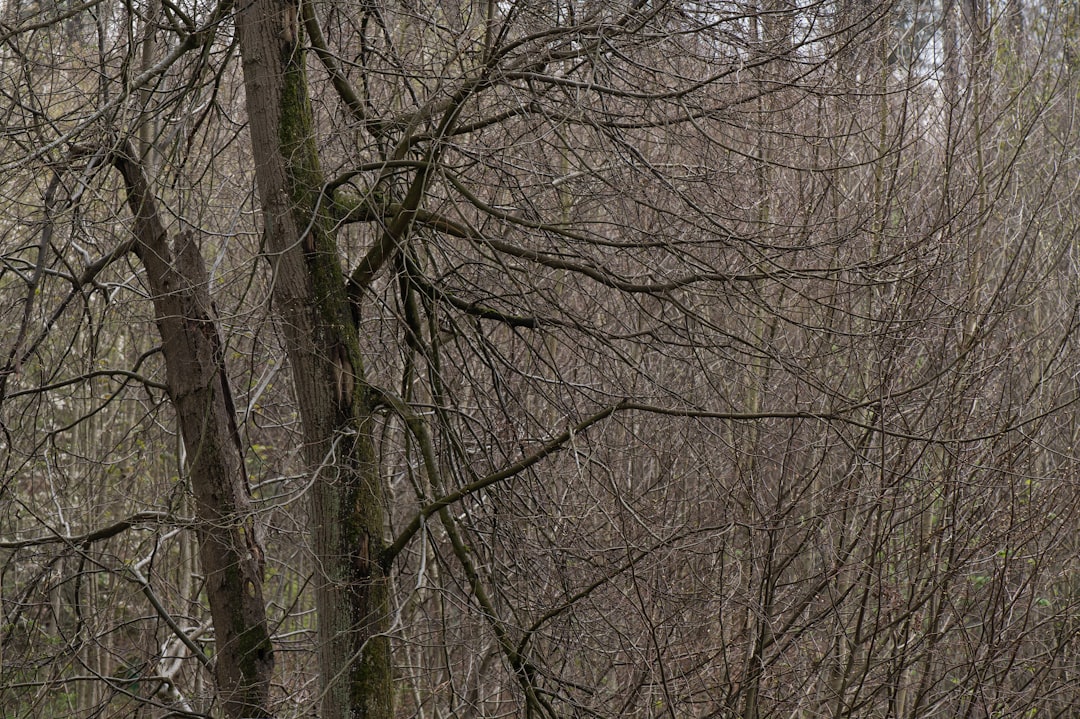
x=230 y=550
x=645 y=359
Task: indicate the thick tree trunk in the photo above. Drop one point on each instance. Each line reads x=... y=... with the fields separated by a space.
x=310 y=297
x=199 y=388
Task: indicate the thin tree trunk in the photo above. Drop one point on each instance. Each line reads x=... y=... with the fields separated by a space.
x=199 y=388
x=324 y=352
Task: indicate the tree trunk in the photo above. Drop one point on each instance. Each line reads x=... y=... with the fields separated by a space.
x=199 y=388
x=323 y=345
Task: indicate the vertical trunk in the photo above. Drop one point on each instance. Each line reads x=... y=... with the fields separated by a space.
x=323 y=346
x=199 y=388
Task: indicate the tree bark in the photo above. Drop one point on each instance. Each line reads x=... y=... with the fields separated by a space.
x=324 y=352
x=199 y=388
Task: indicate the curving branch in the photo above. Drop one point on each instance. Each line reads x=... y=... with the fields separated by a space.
x=547 y=449
x=96 y=535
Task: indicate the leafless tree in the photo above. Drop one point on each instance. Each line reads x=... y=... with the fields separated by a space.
x=538 y=358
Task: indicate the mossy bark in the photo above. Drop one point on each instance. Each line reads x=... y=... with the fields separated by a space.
x=323 y=345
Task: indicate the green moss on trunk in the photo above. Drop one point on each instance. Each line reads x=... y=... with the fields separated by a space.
x=359 y=493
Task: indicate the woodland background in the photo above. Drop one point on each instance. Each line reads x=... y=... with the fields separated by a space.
x=548 y=358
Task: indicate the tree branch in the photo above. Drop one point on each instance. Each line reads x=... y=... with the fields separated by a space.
x=95 y=535
x=517 y=467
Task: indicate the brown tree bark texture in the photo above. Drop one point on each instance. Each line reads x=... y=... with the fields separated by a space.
x=199 y=388
x=309 y=294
